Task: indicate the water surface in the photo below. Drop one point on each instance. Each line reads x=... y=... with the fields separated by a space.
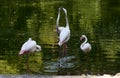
x=97 y=19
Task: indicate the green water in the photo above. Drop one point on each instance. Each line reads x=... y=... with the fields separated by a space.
x=98 y=19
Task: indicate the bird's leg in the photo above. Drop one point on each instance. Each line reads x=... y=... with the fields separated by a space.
x=27 y=65
x=64 y=49
x=87 y=62
x=63 y=53
x=60 y=52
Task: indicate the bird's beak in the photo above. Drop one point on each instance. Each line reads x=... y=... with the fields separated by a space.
x=20 y=54
x=81 y=38
x=60 y=8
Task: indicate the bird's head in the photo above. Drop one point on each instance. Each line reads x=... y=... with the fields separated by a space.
x=38 y=48
x=64 y=10
x=30 y=39
x=22 y=52
x=60 y=43
x=82 y=37
x=60 y=8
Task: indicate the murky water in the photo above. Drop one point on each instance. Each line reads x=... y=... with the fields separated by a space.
x=97 y=19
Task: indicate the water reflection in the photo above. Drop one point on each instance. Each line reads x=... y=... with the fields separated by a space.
x=66 y=62
x=97 y=19
x=55 y=66
x=50 y=66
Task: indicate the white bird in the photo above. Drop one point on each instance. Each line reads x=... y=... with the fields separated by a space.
x=63 y=32
x=85 y=46
x=29 y=46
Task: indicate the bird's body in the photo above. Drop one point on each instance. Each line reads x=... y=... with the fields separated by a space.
x=64 y=36
x=85 y=46
x=29 y=46
x=60 y=29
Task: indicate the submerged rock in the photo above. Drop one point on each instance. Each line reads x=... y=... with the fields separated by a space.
x=66 y=59
x=66 y=62
x=67 y=65
x=50 y=67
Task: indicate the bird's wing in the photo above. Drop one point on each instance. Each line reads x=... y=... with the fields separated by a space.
x=29 y=45
x=89 y=45
x=64 y=35
x=60 y=28
x=86 y=47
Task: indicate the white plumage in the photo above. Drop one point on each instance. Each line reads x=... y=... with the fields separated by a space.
x=29 y=46
x=60 y=29
x=85 y=46
x=64 y=36
x=63 y=32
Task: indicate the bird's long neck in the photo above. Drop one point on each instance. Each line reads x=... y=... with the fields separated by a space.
x=84 y=42
x=67 y=23
x=57 y=23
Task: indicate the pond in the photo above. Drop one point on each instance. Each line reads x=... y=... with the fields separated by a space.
x=97 y=19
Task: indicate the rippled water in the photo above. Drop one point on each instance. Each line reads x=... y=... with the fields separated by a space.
x=97 y=19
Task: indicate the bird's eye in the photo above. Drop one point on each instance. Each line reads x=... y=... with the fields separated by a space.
x=37 y=47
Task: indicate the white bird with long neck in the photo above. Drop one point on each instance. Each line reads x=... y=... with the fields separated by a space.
x=63 y=32
x=85 y=46
x=29 y=46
